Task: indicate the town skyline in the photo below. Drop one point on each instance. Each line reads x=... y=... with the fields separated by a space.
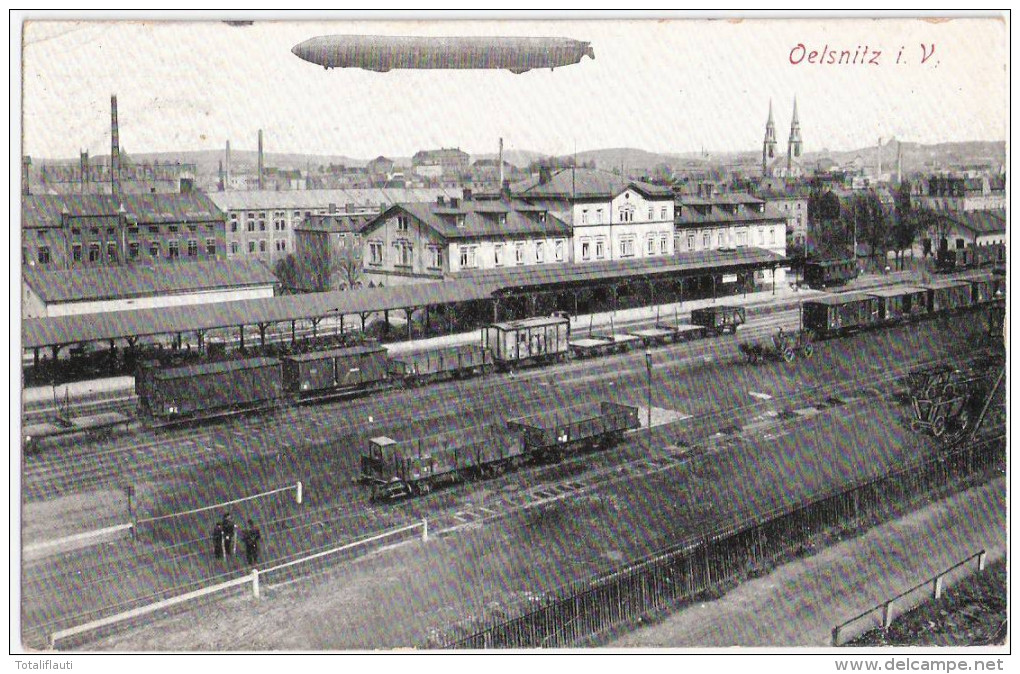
x=674 y=87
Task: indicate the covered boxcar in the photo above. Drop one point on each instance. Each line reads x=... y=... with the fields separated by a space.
x=829 y=316
x=897 y=304
x=211 y=388
x=451 y=361
x=719 y=319
x=982 y=290
x=948 y=296
x=953 y=259
x=532 y=340
x=549 y=436
x=324 y=373
x=821 y=274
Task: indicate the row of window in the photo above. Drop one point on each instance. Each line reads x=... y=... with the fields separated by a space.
x=706 y=239
x=261 y=246
x=95 y=252
x=627 y=213
x=468 y=255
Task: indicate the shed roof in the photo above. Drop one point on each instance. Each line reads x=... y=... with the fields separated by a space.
x=841 y=298
x=45 y=210
x=587 y=184
x=981 y=222
x=373 y=197
x=334 y=353
x=167 y=278
x=479 y=219
x=215 y=368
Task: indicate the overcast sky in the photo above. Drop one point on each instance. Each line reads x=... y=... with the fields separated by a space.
x=669 y=86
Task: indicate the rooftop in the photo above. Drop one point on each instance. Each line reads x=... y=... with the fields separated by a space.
x=105 y=283
x=335 y=223
x=46 y=210
x=981 y=222
x=373 y=197
x=586 y=184
x=480 y=219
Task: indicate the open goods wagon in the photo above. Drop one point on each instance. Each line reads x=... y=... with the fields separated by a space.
x=839 y=314
x=551 y=435
x=785 y=346
x=719 y=319
x=528 y=341
x=327 y=373
x=453 y=361
x=214 y=388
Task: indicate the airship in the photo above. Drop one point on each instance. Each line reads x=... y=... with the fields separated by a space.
x=382 y=53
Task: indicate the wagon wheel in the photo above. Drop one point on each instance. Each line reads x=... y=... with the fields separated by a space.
x=915 y=425
x=808 y=350
x=938 y=426
x=789 y=355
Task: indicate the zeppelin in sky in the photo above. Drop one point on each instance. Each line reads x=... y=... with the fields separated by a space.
x=382 y=53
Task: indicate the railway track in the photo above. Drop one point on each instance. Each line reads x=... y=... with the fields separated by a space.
x=187 y=555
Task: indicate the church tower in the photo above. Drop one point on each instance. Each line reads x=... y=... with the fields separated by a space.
x=768 y=148
x=794 y=147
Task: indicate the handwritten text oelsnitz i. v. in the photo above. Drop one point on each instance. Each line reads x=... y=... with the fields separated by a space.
x=864 y=55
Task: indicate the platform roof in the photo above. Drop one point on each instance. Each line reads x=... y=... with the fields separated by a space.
x=464 y=287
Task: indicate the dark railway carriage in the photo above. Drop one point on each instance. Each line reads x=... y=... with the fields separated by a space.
x=453 y=361
x=954 y=259
x=549 y=436
x=822 y=274
x=719 y=319
x=898 y=304
x=982 y=290
x=839 y=314
x=948 y=296
x=528 y=341
x=212 y=388
x=324 y=373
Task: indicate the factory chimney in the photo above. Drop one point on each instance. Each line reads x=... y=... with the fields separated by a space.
x=84 y=169
x=114 y=147
x=259 y=183
x=26 y=169
x=226 y=170
x=501 y=163
x=899 y=162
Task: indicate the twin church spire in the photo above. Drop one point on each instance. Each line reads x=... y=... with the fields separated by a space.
x=794 y=144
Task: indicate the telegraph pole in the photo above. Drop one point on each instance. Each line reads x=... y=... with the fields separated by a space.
x=648 y=366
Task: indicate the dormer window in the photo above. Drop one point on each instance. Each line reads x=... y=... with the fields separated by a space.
x=402 y=223
x=462 y=221
x=502 y=218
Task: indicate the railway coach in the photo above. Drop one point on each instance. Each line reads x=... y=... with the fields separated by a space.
x=822 y=274
x=948 y=296
x=900 y=304
x=971 y=257
x=840 y=314
x=528 y=341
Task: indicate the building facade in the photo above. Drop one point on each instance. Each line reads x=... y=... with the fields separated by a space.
x=330 y=250
x=789 y=200
x=960 y=193
x=82 y=231
x=611 y=218
x=427 y=241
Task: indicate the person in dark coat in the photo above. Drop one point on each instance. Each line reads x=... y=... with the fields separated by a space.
x=252 y=537
x=229 y=536
x=218 y=540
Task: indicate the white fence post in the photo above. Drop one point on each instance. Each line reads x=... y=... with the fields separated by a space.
x=887 y=614
x=424 y=530
x=299 y=496
x=982 y=558
x=937 y=594
x=255 y=583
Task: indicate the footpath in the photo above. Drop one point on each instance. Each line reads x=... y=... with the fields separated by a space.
x=799 y=603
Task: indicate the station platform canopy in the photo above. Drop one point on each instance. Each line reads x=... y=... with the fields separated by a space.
x=465 y=287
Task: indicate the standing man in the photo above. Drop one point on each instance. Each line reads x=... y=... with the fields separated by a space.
x=218 y=540
x=229 y=535
x=252 y=536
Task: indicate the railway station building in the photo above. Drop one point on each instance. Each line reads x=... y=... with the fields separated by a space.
x=82 y=231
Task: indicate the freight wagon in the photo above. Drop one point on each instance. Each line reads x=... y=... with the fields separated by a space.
x=948 y=296
x=839 y=314
x=719 y=319
x=822 y=274
x=900 y=304
x=971 y=257
x=551 y=435
x=528 y=341
x=453 y=361
x=337 y=372
x=212 y=389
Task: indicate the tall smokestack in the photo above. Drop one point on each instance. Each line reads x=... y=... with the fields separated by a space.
x=260 y=160
x=899 y=162
x=26 y=170
x=84 y=168
x=226 y=170
x=114 y=147
x=501 y=163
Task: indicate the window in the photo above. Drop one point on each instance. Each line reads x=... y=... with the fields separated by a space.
x=690 y=242
x=111 y=251
x=664 y=213
x=598 y=216
x=721 y=240
x=132 y=229
x=192 y=248
x=558 y=250
x=234 y=247
x=251 y=246
x=960 y=243
x=742 y=237
x=497 y=254
x=585 y=250
x=44 y=254
x=94 y=231
x=251 y=225
x=664 y=244
x=651 y=212
x=95 y=253
x=519 y=253
x=154 y=249
x=435 y=257
x=262 y=245
x=262 y=225
x=172 y=228
x=76 y=252
x=626 y=214
x=627 y=247
x=375 y=252
x=233 y=226
x=651 y=244
x=600 y=248
x=706 y=241
x=466 y=258
x=210 y=246
x=153 y=229
x=401 y=223
x=540 y=251
x=74 y=230
x=772 y=235
x=173 y=250
x=405 y=253
x=133 y=250
x=584 y=216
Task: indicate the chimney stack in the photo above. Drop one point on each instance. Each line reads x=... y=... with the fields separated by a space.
x=226 y=170
x=501 y=162
x=114 y=148
x=544 y=174
x=26 y=169
x=84 y=168
x=260 y=160
x=899 y=162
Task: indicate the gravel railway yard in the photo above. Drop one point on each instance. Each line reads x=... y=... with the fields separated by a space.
x=728 y=439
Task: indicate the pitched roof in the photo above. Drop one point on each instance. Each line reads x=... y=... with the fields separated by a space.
x=374 y=197
x=104 y=283
x=335 y=223
x=480 y=219
x=46 y=210
x=587 y=184
x=981 y=222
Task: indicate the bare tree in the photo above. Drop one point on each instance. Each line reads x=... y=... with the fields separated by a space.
x=350 y=263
